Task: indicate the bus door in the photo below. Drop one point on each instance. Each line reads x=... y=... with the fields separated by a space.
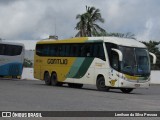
x=115 y=61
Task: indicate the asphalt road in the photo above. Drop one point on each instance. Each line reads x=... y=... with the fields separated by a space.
x=34 y=95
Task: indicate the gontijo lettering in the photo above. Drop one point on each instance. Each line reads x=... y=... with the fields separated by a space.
x=57 y=61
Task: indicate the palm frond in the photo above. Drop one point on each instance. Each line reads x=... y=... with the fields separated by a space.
x=87 y=22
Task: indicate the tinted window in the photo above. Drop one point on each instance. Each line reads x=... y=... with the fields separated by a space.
x=39 y=49
x=115 y=60
x=113 y=56
x=99 y=51
x=10 y=50
x=72 y=50
x=86 y=50
x=46 y=50
x=2 y=49
x=62 y=50
x=56 y=49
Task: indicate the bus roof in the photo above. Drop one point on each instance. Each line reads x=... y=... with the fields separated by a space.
x=115 y=40
x=11 y=43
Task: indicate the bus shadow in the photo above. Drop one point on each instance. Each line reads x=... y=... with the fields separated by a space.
x=9 y=79
x=85 y=88
x=92 y=89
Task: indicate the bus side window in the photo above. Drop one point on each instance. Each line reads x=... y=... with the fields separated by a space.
x=99 y=51
x=79 y=50
x=86 y=50
x=62 y=50
x=115 y=60
x=46 y=50
x=112 y=55
x=56 y=49
x=67 y=52
x=52 y=50
x=38 y=50
x=73 y=50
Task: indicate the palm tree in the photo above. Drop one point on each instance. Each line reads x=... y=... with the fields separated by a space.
x=87 y=24
x=81 y=25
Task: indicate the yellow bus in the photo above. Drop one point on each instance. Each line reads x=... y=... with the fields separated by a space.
x=107 y=62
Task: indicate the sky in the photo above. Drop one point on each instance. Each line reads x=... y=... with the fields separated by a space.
x=37 y=19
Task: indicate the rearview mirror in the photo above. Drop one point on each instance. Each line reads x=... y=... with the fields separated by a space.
x=119 y=53
x=154 y=57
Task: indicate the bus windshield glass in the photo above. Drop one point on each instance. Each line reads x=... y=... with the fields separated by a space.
x=135 y=61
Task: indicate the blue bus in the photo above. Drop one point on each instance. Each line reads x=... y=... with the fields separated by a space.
x=11 y=59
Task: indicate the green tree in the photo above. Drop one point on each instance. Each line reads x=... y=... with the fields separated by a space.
x=87 y=25
x=122 y=35
x=27 y=63
x=81 y=25
x=153 y=47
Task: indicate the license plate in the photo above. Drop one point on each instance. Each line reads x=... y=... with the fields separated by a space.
x=137 y=85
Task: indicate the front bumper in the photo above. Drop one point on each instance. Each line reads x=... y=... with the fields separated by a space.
x=134 y=84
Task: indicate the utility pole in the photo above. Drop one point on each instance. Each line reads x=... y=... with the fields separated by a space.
x=55 y=32
x=55 y=27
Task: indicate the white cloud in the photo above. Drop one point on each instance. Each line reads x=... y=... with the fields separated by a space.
x=35 y=19
x=147 y=31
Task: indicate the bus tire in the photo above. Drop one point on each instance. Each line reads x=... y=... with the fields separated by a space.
x=100 y=83
x=47 y=78
x=126 y=90
x=54 y=80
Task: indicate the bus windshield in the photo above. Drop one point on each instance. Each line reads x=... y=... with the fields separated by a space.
x=135 y=61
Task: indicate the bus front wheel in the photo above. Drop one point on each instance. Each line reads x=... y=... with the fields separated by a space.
x=47 y=78
x=100 y=83
x=126 y=90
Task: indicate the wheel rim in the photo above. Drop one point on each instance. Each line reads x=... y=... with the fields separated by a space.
x=102 y=84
